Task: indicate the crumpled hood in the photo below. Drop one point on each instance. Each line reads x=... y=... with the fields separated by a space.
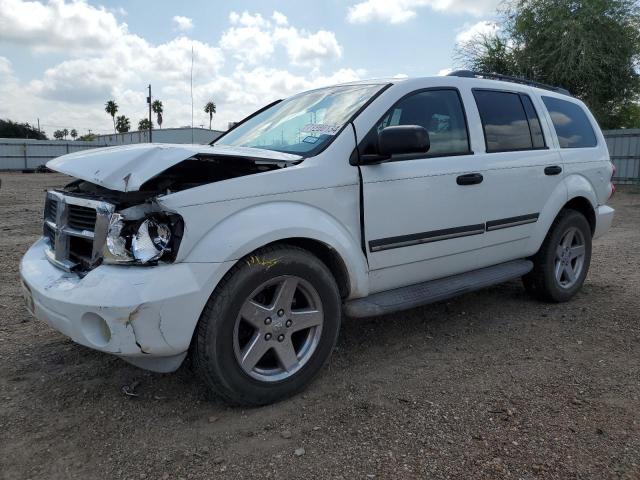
x=126 y=168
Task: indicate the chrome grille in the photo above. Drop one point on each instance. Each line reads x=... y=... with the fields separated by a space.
x=76 y=229
x=82 y=218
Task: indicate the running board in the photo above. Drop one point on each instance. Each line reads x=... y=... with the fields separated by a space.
x=435 y=290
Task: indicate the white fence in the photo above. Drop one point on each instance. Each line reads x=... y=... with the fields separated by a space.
x=624 y=148
x=20 y=154
x=27 y=154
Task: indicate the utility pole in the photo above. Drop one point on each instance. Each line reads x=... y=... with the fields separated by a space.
x=150 y=124
x=38 y=124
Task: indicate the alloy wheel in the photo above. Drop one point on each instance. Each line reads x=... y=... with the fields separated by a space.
x=570 y=257
x=278 y=328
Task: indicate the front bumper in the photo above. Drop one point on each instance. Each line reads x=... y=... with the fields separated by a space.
x=146 y=315
x=604 y=218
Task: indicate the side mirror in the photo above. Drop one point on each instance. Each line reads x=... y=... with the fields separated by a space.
x=397 y=140
x=403 y=139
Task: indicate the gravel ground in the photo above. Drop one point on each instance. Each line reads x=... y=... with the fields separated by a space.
x=489 y=385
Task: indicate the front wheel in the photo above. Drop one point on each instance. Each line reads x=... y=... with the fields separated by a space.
x=562 y=263
x=269 y=326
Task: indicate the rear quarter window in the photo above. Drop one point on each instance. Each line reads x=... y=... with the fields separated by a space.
x=573 y=128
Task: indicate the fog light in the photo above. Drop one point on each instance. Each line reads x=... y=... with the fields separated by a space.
x=95 y=329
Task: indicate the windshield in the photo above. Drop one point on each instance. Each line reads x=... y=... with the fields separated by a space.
x=302 y=124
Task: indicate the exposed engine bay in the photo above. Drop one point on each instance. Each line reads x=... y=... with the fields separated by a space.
x=192 y=172
x=87 y=224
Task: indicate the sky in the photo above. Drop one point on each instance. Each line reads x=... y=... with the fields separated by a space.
x=60 y=61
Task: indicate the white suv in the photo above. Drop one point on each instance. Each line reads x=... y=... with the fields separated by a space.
x=365 y=198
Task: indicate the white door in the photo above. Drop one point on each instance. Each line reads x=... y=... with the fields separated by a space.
x=522 y=171
x=425 y=213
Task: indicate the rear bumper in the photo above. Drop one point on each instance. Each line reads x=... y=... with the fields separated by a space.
x=146 y=315
x=604 y=218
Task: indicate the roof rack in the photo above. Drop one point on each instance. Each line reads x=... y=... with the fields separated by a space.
x=507 y=78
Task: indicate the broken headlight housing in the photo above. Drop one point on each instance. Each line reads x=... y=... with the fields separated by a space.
x=144 y=241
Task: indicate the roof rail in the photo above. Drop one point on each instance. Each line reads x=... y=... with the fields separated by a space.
x=507 y=78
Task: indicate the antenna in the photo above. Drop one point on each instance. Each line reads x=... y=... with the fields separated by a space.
x=192 y=93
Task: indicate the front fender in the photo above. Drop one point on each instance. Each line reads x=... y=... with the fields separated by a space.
x=572 y=186
x=251 y=228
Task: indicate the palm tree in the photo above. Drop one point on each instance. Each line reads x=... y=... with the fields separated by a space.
x=73 y=133
x=65 y=132
x=157 y=108
x=210 y=108
x=122 y=124
x=111 y=108
x=144 y=124
x=58 y=134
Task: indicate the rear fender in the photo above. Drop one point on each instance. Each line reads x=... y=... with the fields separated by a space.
x=571 y=187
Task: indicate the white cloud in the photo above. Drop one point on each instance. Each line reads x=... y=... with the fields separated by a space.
x=310 y=49
x=247 y=43
x=253 y=39
x=444 y=72
x=183 y=23
x=400 y=11
x=104 y=60
x=279 y=19
x=470 y=32
x=6 y=70
x=58 y=26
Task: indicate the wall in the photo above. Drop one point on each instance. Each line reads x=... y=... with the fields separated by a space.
x=624 y=149
x=19 y=154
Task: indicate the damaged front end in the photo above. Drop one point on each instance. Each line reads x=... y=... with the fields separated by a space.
x=97 y=219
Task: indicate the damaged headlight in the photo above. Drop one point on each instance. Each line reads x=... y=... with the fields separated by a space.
x=142 y=241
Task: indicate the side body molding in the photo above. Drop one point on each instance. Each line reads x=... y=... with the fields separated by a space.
x=251 y=228
x=572 y=186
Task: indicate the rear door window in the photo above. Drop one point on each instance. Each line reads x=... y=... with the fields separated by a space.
x=572 y=125
x=509 y=121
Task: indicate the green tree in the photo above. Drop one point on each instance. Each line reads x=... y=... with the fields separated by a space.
x=58 y=134
x=144 y=124
x=9 y=129
x=111 y=107
x=122 y=124
x=590 y=47
x=158 y=109
x=87 y=138
x=488 y=53
x=73 y=133
x=210 y=108
x=65 y=132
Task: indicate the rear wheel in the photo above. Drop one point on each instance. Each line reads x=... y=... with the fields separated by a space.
x=269 y=326
x=562 y=263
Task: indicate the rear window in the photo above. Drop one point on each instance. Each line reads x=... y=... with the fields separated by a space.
x=509 y=121
x=572 y=125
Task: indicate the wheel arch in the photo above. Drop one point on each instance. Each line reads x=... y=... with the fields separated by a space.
x=574 y=192
x=584 y=206
x=327 y=255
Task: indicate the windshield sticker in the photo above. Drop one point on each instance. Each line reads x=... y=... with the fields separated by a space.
x=321 y=129
x=310 y=139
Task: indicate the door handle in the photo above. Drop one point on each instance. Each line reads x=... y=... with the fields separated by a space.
x=553 y=170
x=469 y=179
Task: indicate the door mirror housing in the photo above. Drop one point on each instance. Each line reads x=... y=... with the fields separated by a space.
x=402 y=139
x=399 y=140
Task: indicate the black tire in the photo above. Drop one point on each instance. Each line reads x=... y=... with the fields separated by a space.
x=541 y=282
x=214 y=356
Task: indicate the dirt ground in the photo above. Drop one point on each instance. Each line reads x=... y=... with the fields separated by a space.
x=489 y=385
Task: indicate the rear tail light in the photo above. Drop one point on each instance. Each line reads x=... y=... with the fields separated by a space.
x=613 y=174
